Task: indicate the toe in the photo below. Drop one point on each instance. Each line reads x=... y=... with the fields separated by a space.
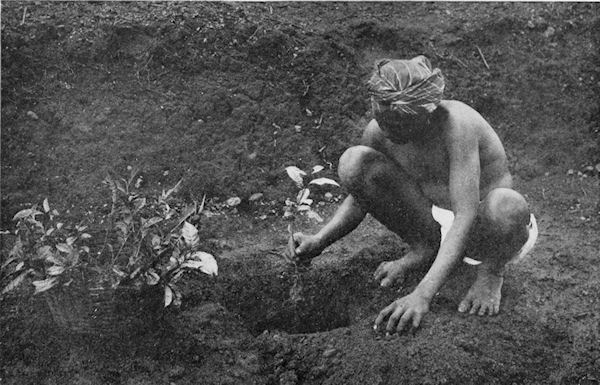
x=475 y=307
x=465 y=304
x=496 y=309
x=483 y=310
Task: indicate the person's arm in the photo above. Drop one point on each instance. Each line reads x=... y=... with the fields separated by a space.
x=463 y=151
x=346 y=218
x=463 y=154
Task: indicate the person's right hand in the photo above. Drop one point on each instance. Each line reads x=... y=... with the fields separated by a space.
x=306 y=246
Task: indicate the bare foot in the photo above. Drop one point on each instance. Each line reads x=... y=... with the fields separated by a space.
x=484 y=295
x=393 y=272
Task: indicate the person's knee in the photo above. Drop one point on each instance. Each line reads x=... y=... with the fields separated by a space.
x=504 y=211
x=355 y=165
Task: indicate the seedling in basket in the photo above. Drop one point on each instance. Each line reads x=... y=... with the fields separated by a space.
x=147 y=241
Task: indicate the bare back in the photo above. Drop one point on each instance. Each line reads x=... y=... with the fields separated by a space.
x=427 y=162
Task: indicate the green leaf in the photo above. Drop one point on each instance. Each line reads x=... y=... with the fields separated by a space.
x=19 y=266
x=208 y=264
x=190 y=234
x=55 y=270
x=166 y=195
x=17 y=250
x=51 y=258
x=46 y=206
x=8 y=262
x=324 y=181
x=71 y=240
x=65 y=248
x=25 y=214
x=44 y=252
x=317 y=169
x=85 y=236
x=172 y=264
x=139 y=203
x=15 y=282
x=44 y=285
x=168 y=295
x=296 y=175
x=151 y=277
x=119 y=187
x=192 y=264
x=302 y=196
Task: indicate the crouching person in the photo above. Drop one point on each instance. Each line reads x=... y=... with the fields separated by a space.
x=434 y=172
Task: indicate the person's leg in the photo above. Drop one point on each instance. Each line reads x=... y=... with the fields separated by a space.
x=392 y=197
x=500 y=231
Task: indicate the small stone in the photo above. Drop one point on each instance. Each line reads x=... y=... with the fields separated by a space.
x=233 y=201
x=328 y=196
x=176 y=372
x=252 y=156
x=329 y=352
x=550 y=31
x=255 y=197
x=570 y=172
x=298 y=128
x=32 y=115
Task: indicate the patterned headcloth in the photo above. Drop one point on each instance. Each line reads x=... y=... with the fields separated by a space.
x=408 y=86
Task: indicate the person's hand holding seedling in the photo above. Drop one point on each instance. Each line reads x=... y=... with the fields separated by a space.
x=304 y=247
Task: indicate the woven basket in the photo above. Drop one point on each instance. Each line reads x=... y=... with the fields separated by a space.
x=105 y=312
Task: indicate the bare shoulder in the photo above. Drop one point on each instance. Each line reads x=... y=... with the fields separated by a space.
x=463 y=115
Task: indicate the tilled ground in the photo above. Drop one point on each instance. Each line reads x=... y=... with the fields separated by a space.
x=226 y=95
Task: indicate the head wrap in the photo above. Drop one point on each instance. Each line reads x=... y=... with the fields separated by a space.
x=408 y=86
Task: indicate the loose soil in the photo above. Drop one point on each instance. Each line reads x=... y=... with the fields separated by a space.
x=225 y=96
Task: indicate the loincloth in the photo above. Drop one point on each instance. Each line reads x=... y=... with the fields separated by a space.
x=446 y=217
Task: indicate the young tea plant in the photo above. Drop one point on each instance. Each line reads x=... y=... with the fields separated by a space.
x=46 y=250
x=147 y=241
x=303 y=203
x=292 y=259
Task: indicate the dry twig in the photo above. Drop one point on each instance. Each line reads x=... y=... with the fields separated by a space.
x=24 y=15
x=483 y=58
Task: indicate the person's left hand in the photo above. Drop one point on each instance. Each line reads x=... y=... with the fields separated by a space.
x=403 y=312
